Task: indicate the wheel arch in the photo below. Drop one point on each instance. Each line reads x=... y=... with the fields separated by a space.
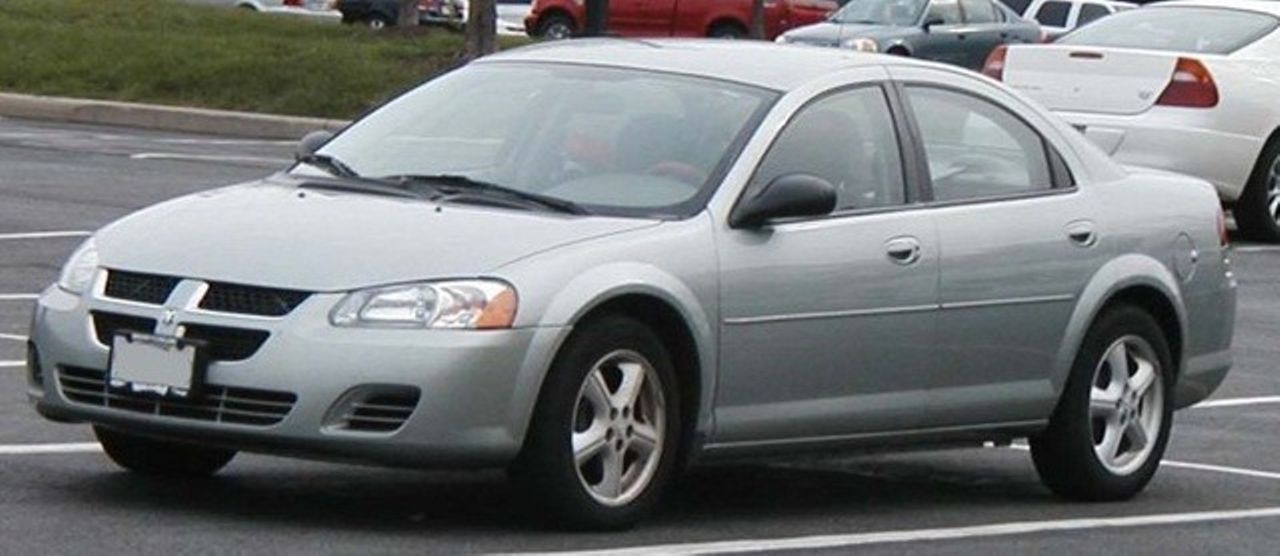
x=898 y=46
x=718 y=20
x=1139 y=280
x=556 y=11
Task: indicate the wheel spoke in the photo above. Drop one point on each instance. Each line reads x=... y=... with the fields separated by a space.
x=611 y=482
x=1137 y=435
x=588 y=443
x=629 y=388
x=1110 y=445
x=1102 y=403
x=644 y=439
x=1143 y=378
x=597 y=391
x=1118 y=360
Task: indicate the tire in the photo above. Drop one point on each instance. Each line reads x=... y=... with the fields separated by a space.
x=378 y=22
x=582 y=399
x=728 y=31
x=1067 y=454
x=555 y=27
x=1257 y=211
x=898 y=51
x=148 y=456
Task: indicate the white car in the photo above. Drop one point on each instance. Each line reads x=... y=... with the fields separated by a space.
x=1058 y=17
x=510 y=15
x=1186 y=86
x=310 y=8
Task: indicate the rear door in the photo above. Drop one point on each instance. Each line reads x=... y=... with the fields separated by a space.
x=1018 y=245
x=944 y=40
x=642 y=18
x=985 y=26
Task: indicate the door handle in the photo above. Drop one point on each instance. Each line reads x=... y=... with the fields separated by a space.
x=1082 y=233
x=903 y=250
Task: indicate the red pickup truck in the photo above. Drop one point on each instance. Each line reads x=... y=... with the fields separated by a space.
x=558 y=19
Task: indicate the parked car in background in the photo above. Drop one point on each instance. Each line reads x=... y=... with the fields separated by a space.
x=510 y=13
x=1186 y=86
x=378 y=14
x=1057 y=17
x=559 y=19
x=310 y=8
x=960 y=32
x=593 y=262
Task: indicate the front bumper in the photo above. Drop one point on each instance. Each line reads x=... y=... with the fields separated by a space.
x=477 y=388
x=1170 y=139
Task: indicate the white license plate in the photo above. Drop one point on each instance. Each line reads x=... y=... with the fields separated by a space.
x=155 y=364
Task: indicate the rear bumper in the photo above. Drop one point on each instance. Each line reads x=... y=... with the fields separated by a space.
x=476 y=387
x=1161 y=138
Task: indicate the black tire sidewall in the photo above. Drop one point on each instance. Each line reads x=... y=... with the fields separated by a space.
x=551 y=21
x=545 y=470
x=1064 y=453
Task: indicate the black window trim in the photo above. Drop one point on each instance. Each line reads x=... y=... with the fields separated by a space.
x=913 y=198
x=1062 y=180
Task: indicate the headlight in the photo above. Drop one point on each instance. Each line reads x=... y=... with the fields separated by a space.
x=78 y=273
x=479 y=304
x=861 y=44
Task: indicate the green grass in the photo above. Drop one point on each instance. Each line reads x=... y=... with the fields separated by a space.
x=161 y=51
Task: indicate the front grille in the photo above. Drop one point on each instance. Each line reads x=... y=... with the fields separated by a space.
x=251 y=300
x=219 y=404
x=107 y=325
x=223 y=343
x=380 y=412
x=143 y=288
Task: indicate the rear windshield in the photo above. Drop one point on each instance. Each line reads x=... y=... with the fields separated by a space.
x=1176 y=29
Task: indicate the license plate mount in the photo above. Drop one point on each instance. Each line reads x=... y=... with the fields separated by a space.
x=162 y=366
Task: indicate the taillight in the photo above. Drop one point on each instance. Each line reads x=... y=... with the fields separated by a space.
x=994 y=66
x=295 y=3
x=1190 y=87
x=1223 y=239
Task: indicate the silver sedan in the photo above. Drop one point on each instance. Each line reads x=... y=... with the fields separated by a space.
x=596 y=262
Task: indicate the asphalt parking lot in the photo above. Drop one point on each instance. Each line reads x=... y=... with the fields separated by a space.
x=1218 y=492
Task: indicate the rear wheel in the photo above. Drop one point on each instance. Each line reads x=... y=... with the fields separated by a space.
x=1257 y=211
x=555 y=27
x=602 y=445
x=1105 y=440
x=159 y=457
x=378 y=22
x=898 y=51
x=731 y=31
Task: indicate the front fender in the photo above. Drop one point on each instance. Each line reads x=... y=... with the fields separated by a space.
x=1119 y=273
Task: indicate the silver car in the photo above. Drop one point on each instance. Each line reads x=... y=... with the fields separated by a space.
x=596 y=262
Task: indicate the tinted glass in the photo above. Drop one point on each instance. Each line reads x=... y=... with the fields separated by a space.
x=847 y=139
x=900 y=13
x=1053 y=14
x=639 y=142
x=946 y=11
x=1019 y=6
x=977 y=149
x=1176 y=29
x=1090 y=13
x=979 y=11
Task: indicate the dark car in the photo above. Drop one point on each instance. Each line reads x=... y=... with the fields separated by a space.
x=385 y=13
x=961 y=32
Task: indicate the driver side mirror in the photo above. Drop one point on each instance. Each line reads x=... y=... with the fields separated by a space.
x=787 y=195
x=311 y=143
x=932 y=21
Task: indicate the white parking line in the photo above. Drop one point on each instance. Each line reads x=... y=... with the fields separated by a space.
x=8 y=364
x=1234 y=402
x=39 y=449
x=45 y=235
x=1256 y=248
x=946 y=533
x=13 y=337
x=18 y=296
x=1197 y=466
x=210 y=158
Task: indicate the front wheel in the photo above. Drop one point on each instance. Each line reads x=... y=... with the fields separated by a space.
x=605 y=434
x=150 y=456
x=1109 y=432
x=730 y=31
x=1257 y=211
x=555 y=27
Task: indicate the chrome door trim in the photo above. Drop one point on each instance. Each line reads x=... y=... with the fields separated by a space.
x=830 y=314
x=1007 y=301
x=832 y=439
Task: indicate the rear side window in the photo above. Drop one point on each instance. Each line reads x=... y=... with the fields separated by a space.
x=976 y=149
x=1090 y=13
x=1053 y=14
x=1177 y=29
x=979 y=11
x=945 y=11
x=848 y=139
x=1019 y=6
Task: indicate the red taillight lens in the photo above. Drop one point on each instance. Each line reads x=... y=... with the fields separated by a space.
x=994 y=66
x=296 y=3
x=1191 y=87
x=1223 y=239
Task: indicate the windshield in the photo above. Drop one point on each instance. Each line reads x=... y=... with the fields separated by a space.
x=899 y=13
x=612 y=141
x=1176 y=29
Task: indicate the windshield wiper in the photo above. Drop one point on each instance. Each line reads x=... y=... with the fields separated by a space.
x=454 y=185
x=329 y=163
x=362 y=185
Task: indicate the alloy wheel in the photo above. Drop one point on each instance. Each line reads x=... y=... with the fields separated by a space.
x=1273 y=191
x=619 y=424
x=557 y=31
x=1126 y=405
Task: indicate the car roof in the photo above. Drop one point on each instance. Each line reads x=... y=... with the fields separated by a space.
x=758 y=63
x=1265 y=6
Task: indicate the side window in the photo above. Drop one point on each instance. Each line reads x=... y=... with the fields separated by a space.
x=1091 y=12
x=848 y=139
x=979 y=11
x=945 y=11
x=1053 y=14
x=1018 y=6
x=977 y=149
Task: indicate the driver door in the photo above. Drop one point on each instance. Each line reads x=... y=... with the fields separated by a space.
x=944 y=40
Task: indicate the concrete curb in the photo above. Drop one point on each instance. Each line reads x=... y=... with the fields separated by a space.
x=170 y=118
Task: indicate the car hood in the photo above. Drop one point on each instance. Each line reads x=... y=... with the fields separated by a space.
x=273 y=234
x=830 y=34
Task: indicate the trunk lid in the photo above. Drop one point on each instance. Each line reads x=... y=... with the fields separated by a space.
x=1089 y=79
